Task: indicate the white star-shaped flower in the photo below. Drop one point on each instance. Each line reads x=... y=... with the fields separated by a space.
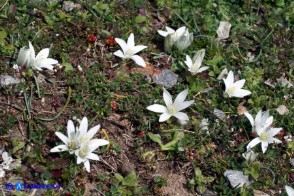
x=195 y=64
x=234 y=89
x=261 y=121
x=26 y=57
x=265 y=137
x=129 y=50
x=172 y=108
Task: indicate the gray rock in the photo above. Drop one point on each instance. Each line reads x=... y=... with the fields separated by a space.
x=237 y=178
x=219 y=114
x=69 y=5
x=209 y=193
x=7 y=80
x=292 y=162
x=166 y=78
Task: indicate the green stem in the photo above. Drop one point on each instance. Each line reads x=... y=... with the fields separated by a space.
x=38 y=88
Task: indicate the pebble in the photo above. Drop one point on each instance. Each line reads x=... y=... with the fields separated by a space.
x=69 y=6
x=237 y=178
x=7 y=80
x=166 y=78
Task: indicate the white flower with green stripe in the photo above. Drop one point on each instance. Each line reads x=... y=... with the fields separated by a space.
x=172 y=108
x=129 y=50
x=234 y=89
x=265 y=137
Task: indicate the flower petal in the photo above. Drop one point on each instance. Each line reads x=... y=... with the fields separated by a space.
x=79 y=160
x=59 y=148
x=181 y=116
x=289 y=190
x=178 y=34
x=90 y=134
x=119 y=53
x=49 y=61
x=277 y=141
x=181 y=97
x=229 y=81
x=268 y=121
x=139 y=60
x=258 y=118
x=198 y=57
x=201 y=69
x=264 y=146
x=139 y=48
x=62 y=137
x=131 y=41
x=163 y=33
x=157 y=108
x=184 y=105
x=169 y=30
x=239 y=84
x=273 y=131
x=122 y=44
x=253 y=143
x=47 y=66
x=43 y=54
x=265 y=116
x=83 y=126
x=167 y=97
x=87 y=166
x=70 y=130
x=240 y=93
x=188 y=61
x=93 y=156
x=32 y=50
x=95 y=143
x=163 y=117
x=23 y=57
x=250 y=118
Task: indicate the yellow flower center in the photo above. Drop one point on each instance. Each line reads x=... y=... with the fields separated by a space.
x=172 y=110
x=83 y=152
x=129 y=53
x=264 y=137
x=84 y=138
x=72 y=145
x=231 y=90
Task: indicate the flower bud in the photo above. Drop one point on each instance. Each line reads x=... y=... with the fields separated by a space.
x=168 y=43
x=185 y=41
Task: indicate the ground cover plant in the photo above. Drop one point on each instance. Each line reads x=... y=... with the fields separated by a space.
x=79 y=83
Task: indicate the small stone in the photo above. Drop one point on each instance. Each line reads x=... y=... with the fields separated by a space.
x=237 y=178
x=282 y=110
x=284 y=82
x=209 y=193
x=223 y=30
x=219 y=114
x=7 y=80
x=69 y=6
x=292 y=162
x=166 y=78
